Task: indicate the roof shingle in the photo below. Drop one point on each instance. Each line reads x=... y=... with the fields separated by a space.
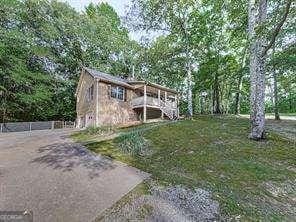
x=107 y=77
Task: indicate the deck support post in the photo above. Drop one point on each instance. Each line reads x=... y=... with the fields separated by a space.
x=177 y=106
x=159 y=104
x=158 y=97
x=97 y=103
x=145 y=107
x=165 y=101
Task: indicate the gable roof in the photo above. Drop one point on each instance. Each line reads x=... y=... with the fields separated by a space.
x=104 y=77
x=108 y=78
x=132 y=82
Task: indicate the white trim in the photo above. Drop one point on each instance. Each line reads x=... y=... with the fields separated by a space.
x=117 y=92
x=145 y=107
x=97 y=103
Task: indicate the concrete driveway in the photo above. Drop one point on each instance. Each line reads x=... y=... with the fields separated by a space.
x=59 y=180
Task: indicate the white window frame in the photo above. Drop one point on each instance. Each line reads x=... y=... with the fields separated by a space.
x=90 y=93
x=116 y=91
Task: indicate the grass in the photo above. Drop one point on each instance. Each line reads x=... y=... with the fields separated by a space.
x=92 y=134
x=214 y=153
x=139 y=190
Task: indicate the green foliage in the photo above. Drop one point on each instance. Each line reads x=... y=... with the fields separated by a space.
x=92 y=130
x=216 y=38
x=133 y=143
x=43 y=46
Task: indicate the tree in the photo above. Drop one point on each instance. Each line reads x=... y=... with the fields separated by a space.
x=175 y=19
x=258 y=50
x=43 y=46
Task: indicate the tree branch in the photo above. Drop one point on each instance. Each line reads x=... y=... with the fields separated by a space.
x=277 y=29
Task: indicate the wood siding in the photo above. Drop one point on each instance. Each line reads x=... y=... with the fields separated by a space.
x=85 y=108
x=113 y=111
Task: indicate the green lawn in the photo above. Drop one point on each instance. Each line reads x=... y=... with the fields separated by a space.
x=255 y=180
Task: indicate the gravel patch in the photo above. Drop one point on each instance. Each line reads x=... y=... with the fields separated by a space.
x=170 y=204
x=186 y=204
x=286 y=189
x=286 y=128
x=282 y=191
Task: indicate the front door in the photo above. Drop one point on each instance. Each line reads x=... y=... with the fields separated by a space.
x=82 y=122
x=89 y=119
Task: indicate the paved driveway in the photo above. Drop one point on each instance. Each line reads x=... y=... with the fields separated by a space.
x=44 y=171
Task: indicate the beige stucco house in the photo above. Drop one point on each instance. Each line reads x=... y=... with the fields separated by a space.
x=103 y=99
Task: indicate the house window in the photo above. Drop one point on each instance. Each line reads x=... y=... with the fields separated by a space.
x=117 y=92
x=90 y=93
x=120 y=93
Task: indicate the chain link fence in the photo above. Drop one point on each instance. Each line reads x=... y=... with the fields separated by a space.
x=39 y=125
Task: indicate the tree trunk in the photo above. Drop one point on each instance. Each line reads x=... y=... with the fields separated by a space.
x=238 y=95
x=184 y=27
x=275 y=89
x=257 y=69
x=189 y=90
x=216 y=98
x=228 y=100
x=240 y=85
x=276 y=99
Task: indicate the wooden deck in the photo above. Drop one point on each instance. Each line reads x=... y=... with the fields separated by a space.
x=167 y=106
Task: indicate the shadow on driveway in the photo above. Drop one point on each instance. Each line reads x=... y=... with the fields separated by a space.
x=68 y=156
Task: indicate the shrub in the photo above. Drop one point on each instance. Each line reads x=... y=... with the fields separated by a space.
x=133 y=143
x=92 y=130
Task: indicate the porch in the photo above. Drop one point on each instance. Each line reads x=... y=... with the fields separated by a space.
x=154 y=98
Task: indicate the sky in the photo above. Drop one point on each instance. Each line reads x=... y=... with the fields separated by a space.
x=120 y=7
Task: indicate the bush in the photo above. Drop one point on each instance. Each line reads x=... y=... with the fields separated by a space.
x=92 y=130
x=133 y=143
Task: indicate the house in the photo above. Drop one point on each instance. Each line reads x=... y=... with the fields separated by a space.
x=103 y=99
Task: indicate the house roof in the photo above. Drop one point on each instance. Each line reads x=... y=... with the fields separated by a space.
x=104 y=77
x=154 y=85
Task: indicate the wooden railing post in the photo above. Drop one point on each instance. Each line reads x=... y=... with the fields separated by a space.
x=144 y=107
x=159 y=97
x=178 y=107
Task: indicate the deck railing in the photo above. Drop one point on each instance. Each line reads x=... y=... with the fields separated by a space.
x=152 y=101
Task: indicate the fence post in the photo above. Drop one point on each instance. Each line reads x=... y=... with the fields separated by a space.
x=1 y=127
x=52 y=125
x=30 y=126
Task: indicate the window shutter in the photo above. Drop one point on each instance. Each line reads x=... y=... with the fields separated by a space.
x=109 y=91
x=125 y=94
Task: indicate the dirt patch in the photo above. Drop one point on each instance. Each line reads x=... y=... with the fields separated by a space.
x=282 y=191
x=174 y=204
x=286 y=128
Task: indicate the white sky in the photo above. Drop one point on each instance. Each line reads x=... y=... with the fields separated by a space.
x=118 y=5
